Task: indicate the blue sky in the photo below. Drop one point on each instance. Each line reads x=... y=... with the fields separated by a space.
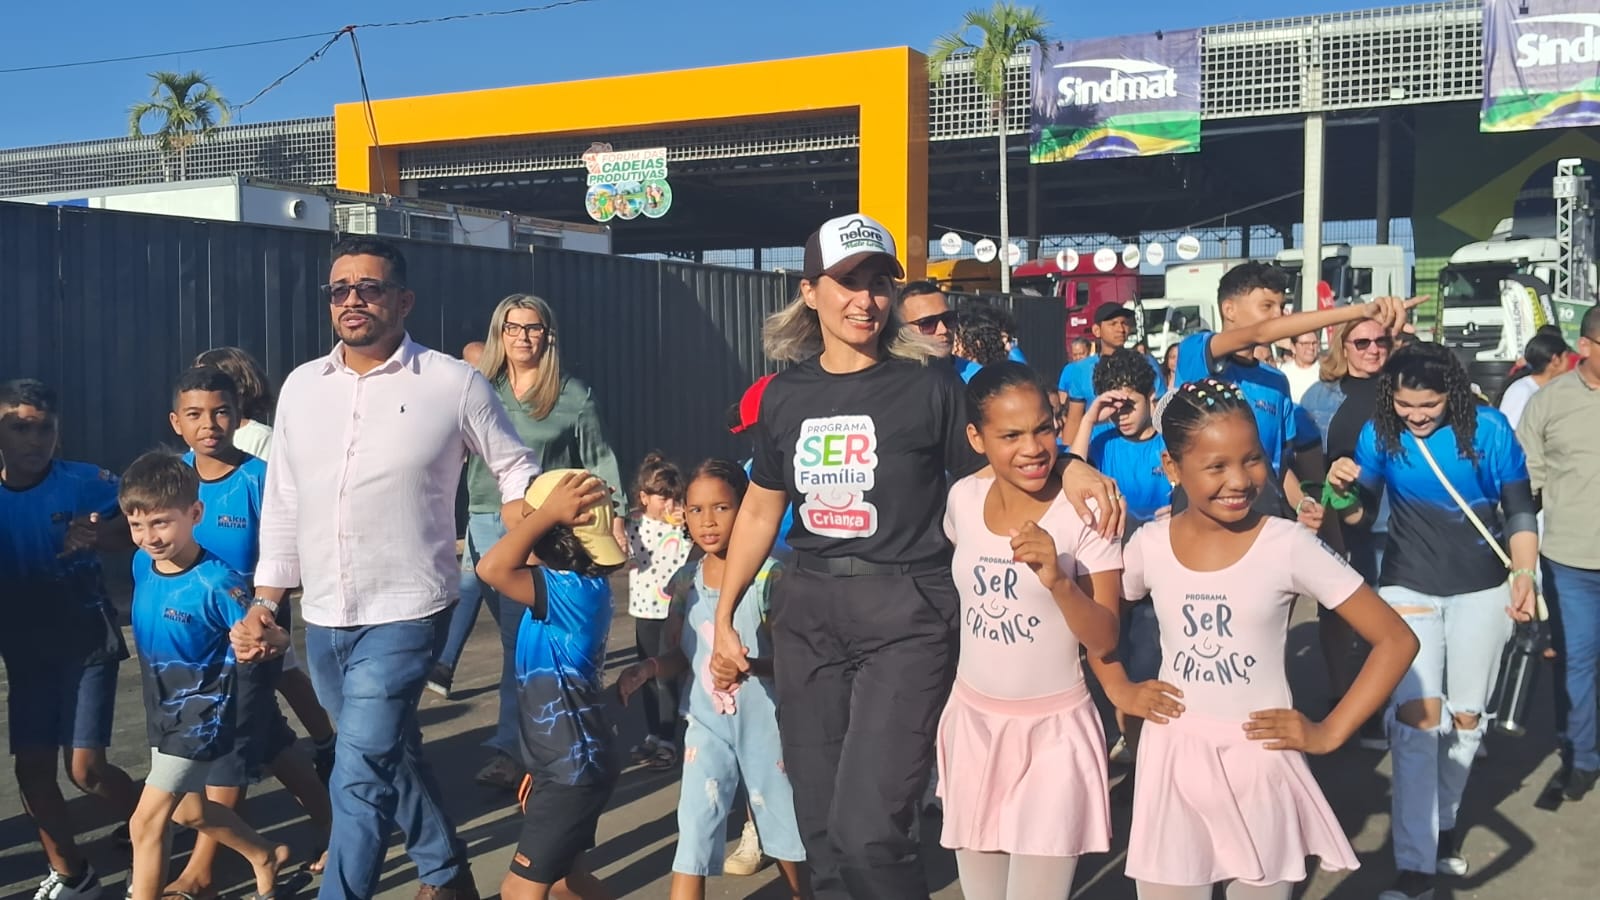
x=592 y=39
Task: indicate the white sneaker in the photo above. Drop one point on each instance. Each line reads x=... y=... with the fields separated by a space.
x=55 y=887
x=746 y=859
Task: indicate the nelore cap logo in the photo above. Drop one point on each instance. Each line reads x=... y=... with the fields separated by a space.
x=843 y=242
x=858 y=233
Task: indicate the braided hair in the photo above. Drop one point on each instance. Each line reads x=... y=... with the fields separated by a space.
x=1426 y=366
x=1184 y=411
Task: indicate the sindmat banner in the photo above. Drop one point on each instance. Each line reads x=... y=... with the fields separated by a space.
x=1541 y=64
x=1136 y=95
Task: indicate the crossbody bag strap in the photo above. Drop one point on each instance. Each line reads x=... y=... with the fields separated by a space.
x=1540 y=610
x=1462 y=503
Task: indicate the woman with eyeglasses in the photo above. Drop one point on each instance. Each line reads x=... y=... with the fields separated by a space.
x=554 y=414
x=1341 y=402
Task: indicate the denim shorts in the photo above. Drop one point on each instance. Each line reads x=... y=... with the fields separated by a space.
x=60 y=704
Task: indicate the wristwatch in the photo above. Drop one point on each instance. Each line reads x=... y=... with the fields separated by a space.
x=270 y=605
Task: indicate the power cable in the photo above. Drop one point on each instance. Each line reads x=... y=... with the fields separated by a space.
x=286 y=39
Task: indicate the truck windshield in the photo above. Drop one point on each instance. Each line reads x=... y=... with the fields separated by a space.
x=1035 y=286
x=1335 y=271
x=1473 y=285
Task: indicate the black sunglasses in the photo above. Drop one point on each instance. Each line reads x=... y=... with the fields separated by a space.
x=930 y=324
x=1361 y=344
x=369 y=290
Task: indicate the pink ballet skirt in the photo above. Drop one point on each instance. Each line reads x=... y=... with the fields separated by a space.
x=1210 y=805
x=1023 y=776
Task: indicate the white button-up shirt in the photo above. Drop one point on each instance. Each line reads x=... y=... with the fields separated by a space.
x=360 y=495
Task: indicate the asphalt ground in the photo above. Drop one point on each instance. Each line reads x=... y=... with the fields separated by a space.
x=1516 y=850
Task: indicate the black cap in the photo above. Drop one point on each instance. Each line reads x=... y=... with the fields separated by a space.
x=1112 y=311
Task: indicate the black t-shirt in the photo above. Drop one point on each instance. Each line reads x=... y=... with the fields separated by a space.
x=864 y=457
x=1360 y=402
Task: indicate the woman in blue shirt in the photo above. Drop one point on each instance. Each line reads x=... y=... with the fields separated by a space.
x=1446 y=581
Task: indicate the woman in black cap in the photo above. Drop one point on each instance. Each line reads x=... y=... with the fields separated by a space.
x=861 y=436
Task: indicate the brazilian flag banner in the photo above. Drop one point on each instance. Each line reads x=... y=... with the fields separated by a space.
x=1135 y=95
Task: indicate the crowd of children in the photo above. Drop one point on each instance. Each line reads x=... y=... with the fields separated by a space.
x=1182 y=622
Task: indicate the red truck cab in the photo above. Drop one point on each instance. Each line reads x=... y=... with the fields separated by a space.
x=1082 y=289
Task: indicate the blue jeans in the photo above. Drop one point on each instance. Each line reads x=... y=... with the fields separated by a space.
x=483 y=530
x=1574 y=599
x=369 y=679
x=1461 y=639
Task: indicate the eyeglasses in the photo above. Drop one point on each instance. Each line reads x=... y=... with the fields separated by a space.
x=930 y=324
x=369 y=290
x=1361 y=344
x=530 y=330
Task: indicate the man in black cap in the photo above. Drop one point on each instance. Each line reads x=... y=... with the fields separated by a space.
x=1113 y=323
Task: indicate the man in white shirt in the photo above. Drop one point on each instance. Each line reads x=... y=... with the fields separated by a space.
x=359 y=509
x=1305 y=367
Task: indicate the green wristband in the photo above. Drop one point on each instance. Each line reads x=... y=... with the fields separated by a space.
x=1528 y=572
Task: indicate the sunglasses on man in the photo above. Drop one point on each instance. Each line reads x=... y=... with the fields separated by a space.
x=930 y=324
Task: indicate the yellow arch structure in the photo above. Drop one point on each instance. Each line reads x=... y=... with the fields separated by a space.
x=888 y=88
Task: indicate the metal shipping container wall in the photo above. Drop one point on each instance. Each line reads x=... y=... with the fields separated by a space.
x=109 y=307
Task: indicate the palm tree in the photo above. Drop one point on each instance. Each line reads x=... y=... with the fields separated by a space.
x=991 y=37
x=188 y=107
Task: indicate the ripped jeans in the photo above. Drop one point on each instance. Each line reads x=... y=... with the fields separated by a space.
x=1461 y=640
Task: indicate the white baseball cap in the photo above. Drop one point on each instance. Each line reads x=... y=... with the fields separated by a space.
x=845 y=242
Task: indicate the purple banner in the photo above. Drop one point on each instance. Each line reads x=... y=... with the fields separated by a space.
x=1541 y=64
x=1135 y=95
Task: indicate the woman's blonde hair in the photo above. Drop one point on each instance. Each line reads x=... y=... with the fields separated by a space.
x=794 y=334
x=541 y=397
x=1336 y=364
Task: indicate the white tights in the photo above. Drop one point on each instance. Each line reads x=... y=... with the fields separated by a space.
x=1007 y=876
x=1237 y=890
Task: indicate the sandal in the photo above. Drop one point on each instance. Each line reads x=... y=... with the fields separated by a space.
x=665 y=757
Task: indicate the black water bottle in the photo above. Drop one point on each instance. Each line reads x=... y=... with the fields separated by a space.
x=1519 y=676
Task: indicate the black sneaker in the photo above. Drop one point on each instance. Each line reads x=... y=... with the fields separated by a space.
x=1451 y=862
x=1579 y=783
x=439 y=680
x=1410 y=886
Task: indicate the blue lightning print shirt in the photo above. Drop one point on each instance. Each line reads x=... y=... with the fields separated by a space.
x=180 y=625
x=52 y=603
x=232 y=522
x=561 y=652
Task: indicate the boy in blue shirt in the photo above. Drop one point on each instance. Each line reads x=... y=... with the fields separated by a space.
x=61 y=642
x=1112 y=325
x=555 y=562
x=204 y=414
x=1250 y=299
x=1117 y=435
x=185 y=601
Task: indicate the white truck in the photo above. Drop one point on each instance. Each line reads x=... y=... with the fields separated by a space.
x=1356 y=273
x=1189 y=304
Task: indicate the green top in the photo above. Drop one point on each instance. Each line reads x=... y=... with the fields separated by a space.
x=569 y=438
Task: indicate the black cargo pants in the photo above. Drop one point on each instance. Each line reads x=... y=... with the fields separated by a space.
x=864 y=664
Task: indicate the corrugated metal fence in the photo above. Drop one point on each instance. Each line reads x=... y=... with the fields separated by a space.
x=108 y=307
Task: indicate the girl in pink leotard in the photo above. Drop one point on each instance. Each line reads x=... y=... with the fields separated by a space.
x=1222 y=791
